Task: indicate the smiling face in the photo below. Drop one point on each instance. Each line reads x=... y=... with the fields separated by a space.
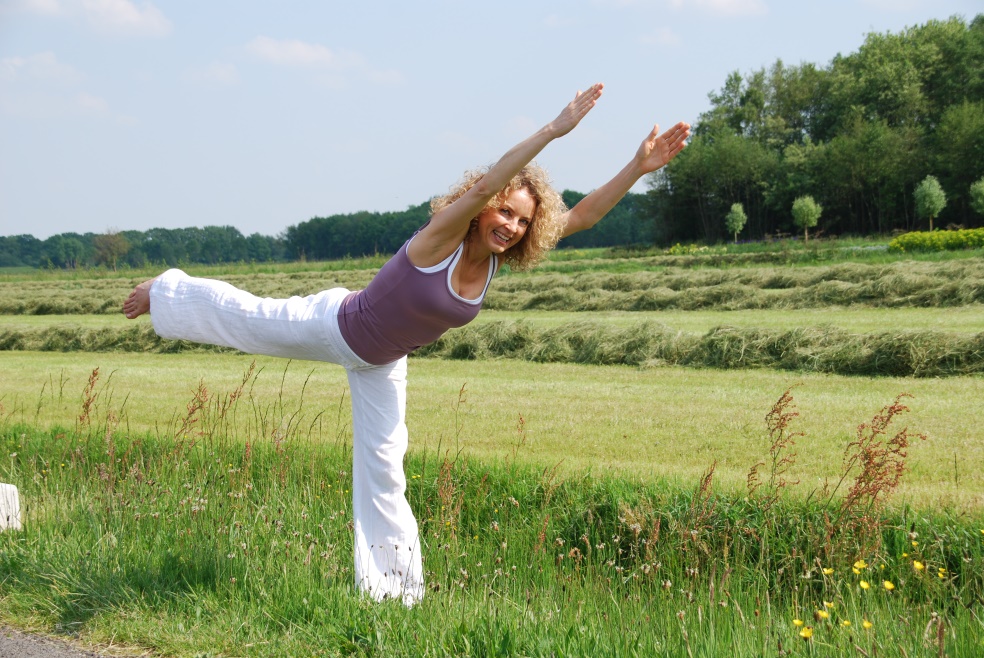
x=503 y=227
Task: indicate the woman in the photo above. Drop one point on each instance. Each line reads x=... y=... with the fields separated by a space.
x=437 y=280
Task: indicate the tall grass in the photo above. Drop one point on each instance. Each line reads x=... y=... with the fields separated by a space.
x=228 y=532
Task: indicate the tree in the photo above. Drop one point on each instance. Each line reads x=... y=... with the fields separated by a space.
x=735 y=220
x=110 y=247
x=977 y=196
x=806 y=214
x=930 y=199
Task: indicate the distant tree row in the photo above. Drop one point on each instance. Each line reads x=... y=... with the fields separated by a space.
x=320 y=238
x=858 y=136
x=208 y=245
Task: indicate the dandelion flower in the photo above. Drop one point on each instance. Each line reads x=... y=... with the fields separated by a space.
x=806 y=632
x=828 y=572
x=867 y=624
x=797 y=622
x=828 y=604
x=857 y=572
x=915 y=544
x=845 y=623
x=889 y=585
x=864 y=584
x=822 y=614
x=860 y=564
x=905 y=555
x=918 y=566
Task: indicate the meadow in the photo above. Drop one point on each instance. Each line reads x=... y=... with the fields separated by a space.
x=573 y=500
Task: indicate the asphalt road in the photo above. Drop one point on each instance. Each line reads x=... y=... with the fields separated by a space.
x=15 y=644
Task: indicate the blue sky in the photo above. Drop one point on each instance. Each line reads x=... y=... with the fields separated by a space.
x=126 y=114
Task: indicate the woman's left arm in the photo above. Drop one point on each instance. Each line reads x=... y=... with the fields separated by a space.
x=656 y=150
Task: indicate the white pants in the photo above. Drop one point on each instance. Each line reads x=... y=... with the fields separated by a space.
x=387 y=544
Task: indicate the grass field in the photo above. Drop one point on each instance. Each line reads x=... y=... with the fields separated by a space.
x=565 y=508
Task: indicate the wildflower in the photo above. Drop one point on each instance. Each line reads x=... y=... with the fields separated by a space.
x=905 y=555
x=828 y=604
x=864 y=584
x=797 y=622
x=867 y=624
x=828 y=572
x=915 y=544
x=888 y=585
x=860 y=564
x=857 y=572
x=821 y=614
x=918 y=566
x=845 y=623
x=806 y=632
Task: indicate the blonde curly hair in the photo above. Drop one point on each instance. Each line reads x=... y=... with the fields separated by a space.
x=546 y=227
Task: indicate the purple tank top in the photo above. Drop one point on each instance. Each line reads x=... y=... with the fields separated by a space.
x=404 y=308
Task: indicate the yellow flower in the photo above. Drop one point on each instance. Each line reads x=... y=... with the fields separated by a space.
x=822 y=614
x=888 y=585
x=860 y=564
x=797 y=622
x=867 y=624
x=905 y=555
x=941 y=575
x=828 y=572
x=865 y=585
x=845 y=623
x=857 y=572
x=806 y=632
x=828 y=604
x=915 y=543
x=918 y=566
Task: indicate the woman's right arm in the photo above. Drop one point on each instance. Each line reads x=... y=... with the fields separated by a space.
x=448 y=227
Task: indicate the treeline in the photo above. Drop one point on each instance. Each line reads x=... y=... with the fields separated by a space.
x=858 y=136
x=208 y=245
x=320 y=238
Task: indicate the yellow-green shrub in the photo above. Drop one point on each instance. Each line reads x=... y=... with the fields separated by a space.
x=938 y=240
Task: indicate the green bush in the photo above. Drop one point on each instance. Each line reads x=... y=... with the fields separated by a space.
x=917 y=241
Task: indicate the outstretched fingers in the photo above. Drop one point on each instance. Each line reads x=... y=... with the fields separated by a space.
x=577 y=109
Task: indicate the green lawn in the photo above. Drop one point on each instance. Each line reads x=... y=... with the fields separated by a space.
x=670 y=422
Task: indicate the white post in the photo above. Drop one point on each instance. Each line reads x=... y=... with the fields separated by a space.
x=9 y=508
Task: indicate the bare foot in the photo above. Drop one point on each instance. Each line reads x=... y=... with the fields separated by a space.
x=138 y=302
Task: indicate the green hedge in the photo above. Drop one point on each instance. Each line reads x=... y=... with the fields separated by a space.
x=972 y=238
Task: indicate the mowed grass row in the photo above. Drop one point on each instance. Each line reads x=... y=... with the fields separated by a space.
x=908 y=283
x=890 y=352
x=225 y=530
x=958 y=320
x=671 y=423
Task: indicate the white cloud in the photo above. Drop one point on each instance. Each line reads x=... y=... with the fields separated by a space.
x=120 y=17
x=329 y=63
x=521 y=125
x=555 y=21
x=124 y=17
x=220 y=74
x=724 y=7
x=40 y=67
x=893 y=5
x=292 y=52
x=662 y=36
x=43 y=7
x=91 y=104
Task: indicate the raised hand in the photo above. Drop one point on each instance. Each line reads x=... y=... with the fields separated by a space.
x=656 y=150
x=571 y=115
